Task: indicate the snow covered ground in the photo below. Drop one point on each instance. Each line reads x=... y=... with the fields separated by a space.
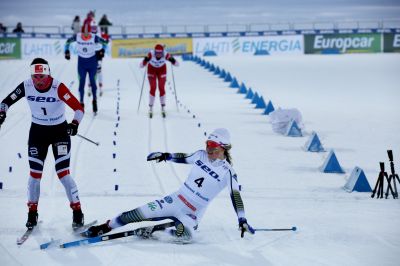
x=351 y=101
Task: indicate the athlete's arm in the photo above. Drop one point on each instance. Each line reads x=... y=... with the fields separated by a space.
x=66 y=96
x=146 y=59
x=237 y=201
x=184 y=157
x=69 y=41
x=13 y=97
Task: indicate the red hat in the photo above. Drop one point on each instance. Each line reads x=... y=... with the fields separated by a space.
x=159 y=48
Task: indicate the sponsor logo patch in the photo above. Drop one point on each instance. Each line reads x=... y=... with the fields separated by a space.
x=62 y=149
x=67 y=96
x=38 y=69
x=168 y=199
x=152 y=206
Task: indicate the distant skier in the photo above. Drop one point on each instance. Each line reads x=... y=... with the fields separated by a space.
x=86 y=45
x=47 y=98
x=211 y=172
x=157 y=72
x=99 y=72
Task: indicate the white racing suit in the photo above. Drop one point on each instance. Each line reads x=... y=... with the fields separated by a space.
x=187 y=205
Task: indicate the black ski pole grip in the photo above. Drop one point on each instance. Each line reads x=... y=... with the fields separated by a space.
x=382 y=165
x=390 y=154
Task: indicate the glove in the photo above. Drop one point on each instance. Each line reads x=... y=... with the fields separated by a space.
x=245 y=227
x=67 y=55
x=2 y=117
x=174 y=61
x=72 y=128
x=100 y=54
x=144 y=62
x=159 y=156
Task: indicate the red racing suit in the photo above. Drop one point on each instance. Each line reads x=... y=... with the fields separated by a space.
x=157 y=72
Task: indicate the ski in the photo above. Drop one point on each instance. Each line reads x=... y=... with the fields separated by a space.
x=26 y=235
x=143 y=231
x=52 y=242
x=294 y=228
x=77 y=232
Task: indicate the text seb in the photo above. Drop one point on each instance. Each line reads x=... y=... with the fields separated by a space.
x=42 y=99
x=207 y=169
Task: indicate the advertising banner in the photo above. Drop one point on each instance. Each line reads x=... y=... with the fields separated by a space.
x=343 y=43
x=140 y=47
x=45 y=48
x=10 y=48
x=48 y=48
x=391 y=43
x=273 y=45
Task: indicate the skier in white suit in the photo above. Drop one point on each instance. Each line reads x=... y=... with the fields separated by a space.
x=211 y=172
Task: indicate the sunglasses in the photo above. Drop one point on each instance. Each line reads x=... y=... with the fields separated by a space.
x=39 y=76
x=212 y=146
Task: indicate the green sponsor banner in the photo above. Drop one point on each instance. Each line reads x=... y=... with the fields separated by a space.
x=342 y=43
x=391 y=43
x=10 y=48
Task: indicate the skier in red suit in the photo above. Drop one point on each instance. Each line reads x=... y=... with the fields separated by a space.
x=157 y=72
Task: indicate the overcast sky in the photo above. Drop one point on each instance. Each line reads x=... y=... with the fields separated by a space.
x=170 y=12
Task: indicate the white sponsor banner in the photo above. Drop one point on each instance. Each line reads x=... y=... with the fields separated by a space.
x=46 y=48
x=274 y=45
x=49 y=48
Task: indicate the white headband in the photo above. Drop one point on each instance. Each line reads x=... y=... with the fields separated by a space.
x=42 y=69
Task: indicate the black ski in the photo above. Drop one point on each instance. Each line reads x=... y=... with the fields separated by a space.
x=143 y=232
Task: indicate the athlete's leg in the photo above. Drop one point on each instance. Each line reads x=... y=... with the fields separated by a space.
x=82 y=78
x=62 y=153
x=92 y=69
x=153 y=85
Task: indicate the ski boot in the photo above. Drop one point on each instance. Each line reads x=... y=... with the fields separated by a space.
x=101 y=89
x=32 y=219
x=97 y=230
x=83 y=105
x=151 y=112
x=95 y=106
x=163 y=113
x=77 y=219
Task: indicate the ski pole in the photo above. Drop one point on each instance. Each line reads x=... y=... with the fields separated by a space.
x=276 y=229
x=173 y=80
x=141 y=90
x=91 y=141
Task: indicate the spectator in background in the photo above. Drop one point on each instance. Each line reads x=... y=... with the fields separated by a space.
x=104 y=23
x=19 y=28
x=2 y=28
x=76 y=25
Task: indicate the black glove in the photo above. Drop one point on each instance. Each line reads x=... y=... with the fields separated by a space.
x=245 y=227
x=72 y=128
x=100 y=54
x=67 y=55
x=159 y=156
x=2 y=117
